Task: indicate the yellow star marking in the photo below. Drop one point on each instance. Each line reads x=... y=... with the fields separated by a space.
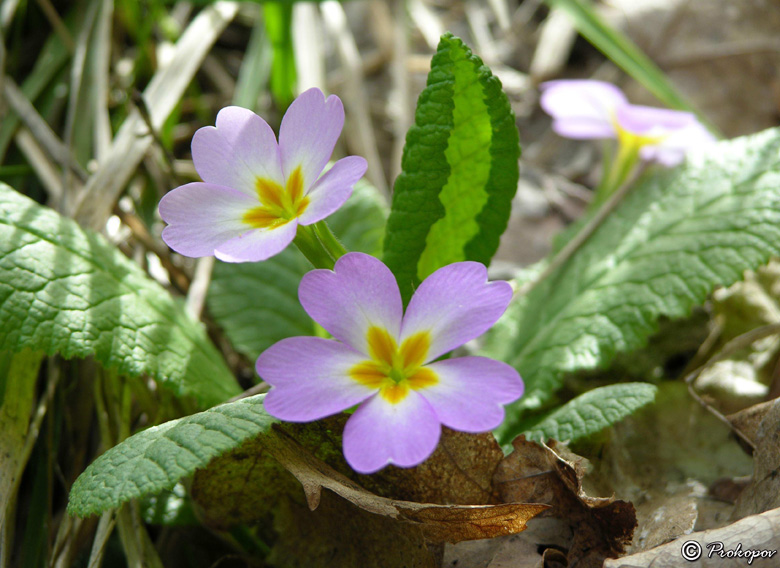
x=278 y=205
x=392 y=370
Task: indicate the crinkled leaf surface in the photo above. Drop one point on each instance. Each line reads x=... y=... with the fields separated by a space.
x=67 y=290
x=155 y=459
x=256 y=303
x=459 y=170
x=592 y=412
x=675 y=238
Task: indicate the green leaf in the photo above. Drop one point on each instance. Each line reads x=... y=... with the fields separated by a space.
x=67 y=290
x=156 y=459
x=592 y=412
x=675 y=238
x=624 y=53
x=459 y=170
x=256 y=303
x=360 y=222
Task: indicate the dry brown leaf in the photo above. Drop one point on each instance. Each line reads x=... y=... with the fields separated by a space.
x=663 y=459
x=244 y=486
x=763 y=492
x=749 y=420
x=601 y=527
x=341 y=535
x=439 y=523
x=459 y=471
x=754 y=533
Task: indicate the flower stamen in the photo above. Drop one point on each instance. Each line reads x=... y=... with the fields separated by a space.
x=278 y=205
x=395 y=371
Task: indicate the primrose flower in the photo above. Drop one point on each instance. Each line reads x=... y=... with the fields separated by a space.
x=256 y=192
x=385 y=360
x=585 y=109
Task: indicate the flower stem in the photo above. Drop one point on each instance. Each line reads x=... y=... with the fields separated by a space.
x=319 y=245
x=329 y=240
x=618 y=169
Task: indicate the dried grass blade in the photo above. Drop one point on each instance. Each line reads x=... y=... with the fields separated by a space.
x=93 y=206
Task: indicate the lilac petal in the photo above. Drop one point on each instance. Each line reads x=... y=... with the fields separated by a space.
x=672 y=149
x=309 y=132
x=650 y=121
x=240 y=149
x=333 y=189
x=258 y=244
x=380 y=433
x=455 y=304
x=471 y=391
x=202 y=216
x=583 y=128
x=310 y=378
x=360 y=292
x=582 y=109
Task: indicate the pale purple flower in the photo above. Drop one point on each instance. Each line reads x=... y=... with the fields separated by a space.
x=585 y=109
x=256 y=192
x=384 y=360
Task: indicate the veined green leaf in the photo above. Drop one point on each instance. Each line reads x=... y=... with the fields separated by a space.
x=154 y=460
x=256 y=303
x=66 y=290
x=675 y=238
x=453 y=198
x=592 y=412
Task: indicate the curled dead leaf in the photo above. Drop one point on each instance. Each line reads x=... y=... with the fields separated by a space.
x=600 y=527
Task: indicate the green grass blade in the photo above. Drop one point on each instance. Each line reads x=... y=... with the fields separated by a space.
x=255 y=68
x=278 y=25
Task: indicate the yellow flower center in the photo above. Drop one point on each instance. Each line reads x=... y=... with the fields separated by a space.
x=278 y=205
x=395 y=371
x=629 y=139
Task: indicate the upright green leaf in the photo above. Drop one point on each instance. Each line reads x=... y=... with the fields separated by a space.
x=660 y=253
x=154 y=460
x=453 y=198
x=256 y=303
x=67 y=290
x=592 y=412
